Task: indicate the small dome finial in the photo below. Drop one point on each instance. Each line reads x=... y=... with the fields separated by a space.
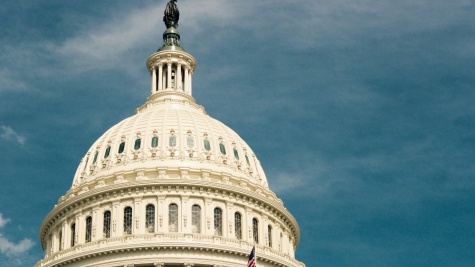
x=171 y=14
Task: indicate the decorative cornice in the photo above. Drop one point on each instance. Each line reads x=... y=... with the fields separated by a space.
x=159 y=242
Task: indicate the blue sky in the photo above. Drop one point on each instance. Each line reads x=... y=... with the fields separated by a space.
x=361 y=112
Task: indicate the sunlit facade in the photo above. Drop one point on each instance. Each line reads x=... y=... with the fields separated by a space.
x=169 y=186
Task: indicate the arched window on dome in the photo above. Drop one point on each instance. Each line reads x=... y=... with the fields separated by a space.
x=236 y=153
x=269 y=235
x=196 y=219
x=255 y=230
x=150 y=218
x=107 y=224
x=121 y=148
x=85 y=165
x=155 y=141
x=88 y=229
x=128 y=220
x=238 y=225
x=173 y=217
x=138 y=143
x=190 y=142
x=207 y=145
x=222 y=148
x=247 y=160
x=172 y=141
x=95 y=157
x=218 y=222
x=73 y=235
x=107 y=153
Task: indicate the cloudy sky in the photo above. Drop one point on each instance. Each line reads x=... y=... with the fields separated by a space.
x=362 y=112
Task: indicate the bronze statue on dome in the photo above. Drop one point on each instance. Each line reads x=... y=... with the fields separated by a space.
x=171 y=14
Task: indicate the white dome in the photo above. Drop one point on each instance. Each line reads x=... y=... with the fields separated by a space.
x=169 y=186
x=166 y=133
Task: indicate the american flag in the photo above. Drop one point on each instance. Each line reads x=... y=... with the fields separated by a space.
x=252 y=258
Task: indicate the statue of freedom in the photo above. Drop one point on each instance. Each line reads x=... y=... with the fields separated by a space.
x=171 y=14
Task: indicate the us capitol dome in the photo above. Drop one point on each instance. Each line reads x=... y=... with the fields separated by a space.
x=169 y=186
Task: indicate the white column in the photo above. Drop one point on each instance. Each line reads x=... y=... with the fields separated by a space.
x=151 y=81
x=54 y=242
x=209 y=217
x=67 y=235
x=154 y=79
x=99 y=223
x=291 y=248
x=169 y=75
x=185 y=85
x=247 y=234
x=285 y=243
x=139 y=217
x=190 y=85
x=160 y=77
x=178 y=78
x=162 y=215
x=62 y=240
x=96 y=231
x=230 y=219
x=116 y=222
x=78 y=230
x=185 y=212
x=81 y=229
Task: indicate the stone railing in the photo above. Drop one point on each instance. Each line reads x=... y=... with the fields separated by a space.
x=151 y=241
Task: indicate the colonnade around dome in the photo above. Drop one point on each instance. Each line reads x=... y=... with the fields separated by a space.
x=171 y=71
x=61 y=244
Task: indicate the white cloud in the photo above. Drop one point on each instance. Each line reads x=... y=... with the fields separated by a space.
x=108 y=45
x=110 y=40
x=9 y=248
x=3 y=221
x=7 y=133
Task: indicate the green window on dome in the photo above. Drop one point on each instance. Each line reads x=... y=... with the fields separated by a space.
x=207 y=144
x=138 y=143
x=236 y=154
x=85 y=165
x=172 y=141
x=222 y=148
x=95 y=157
x=108 y=151
x=190 y=142
x=247 y=160
x=154 y=141
x=121 y=147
